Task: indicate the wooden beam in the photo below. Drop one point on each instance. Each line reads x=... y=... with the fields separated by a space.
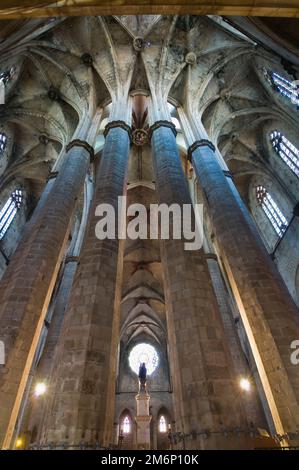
x=12 y=9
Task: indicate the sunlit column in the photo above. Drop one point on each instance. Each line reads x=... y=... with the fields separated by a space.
x=201 y=370
x=269 y=314
x=82 y=408
x=28 y=282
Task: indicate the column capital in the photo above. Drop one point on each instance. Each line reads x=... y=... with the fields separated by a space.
x=228 y=174
x=211 y=256
x=200 y=143
x=158 y=124
x=71 y=259
x=81 y=143
x=52 y=175
x=122 y=124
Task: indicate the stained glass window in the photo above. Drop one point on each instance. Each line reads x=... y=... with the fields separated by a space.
x=162 y=424
x=9 y=210
x=286 y=150
x=6 y=75
x=287 y=88
x=3 y=140
x=272 y=211
x=126 y=425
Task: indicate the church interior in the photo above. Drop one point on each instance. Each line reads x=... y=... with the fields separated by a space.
x=138 y=343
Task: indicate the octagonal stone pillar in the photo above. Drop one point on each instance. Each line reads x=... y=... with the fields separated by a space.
x=27 y=285
x=202 y=375
x=82 y=395
x=270 y=316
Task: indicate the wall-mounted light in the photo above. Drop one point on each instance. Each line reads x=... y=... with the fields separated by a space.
x=19 y=443
x=245 y=384
x=40 y=389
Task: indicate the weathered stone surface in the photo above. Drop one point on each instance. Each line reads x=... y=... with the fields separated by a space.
x=260 y=293
x=215 y=79
x=82 y=407
x=196 y=359
x=37 y=260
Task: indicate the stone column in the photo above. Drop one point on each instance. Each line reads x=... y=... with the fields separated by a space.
x=268 y=312
x=82 y=408
x=29 y=280
x=205 y=389
x=250 y=400
x=35 y=407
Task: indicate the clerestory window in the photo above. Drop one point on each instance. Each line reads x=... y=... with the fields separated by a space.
x=272 y=211
x=287 y=88
x=286 y=150
x=9 y=210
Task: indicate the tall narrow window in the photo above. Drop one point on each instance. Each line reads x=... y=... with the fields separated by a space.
x=3 y=140
x=126 y=425
x=9 y=210
x=272 y=211
x=286 y=87
x=286 y=150
x=162 y=424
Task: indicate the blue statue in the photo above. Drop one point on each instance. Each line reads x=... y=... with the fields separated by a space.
x=142 y=377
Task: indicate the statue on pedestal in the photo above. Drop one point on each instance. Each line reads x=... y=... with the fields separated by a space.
x=142 y=378
x=143 y=417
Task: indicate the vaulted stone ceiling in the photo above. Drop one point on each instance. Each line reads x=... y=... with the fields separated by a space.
x=63 y=64
x=138 y=26
x=279 y=35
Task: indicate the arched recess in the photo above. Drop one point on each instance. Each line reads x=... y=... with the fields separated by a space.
x=127 y=430
x=163 y=424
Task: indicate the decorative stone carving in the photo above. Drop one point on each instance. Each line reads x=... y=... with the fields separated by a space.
x=53 y=93
x=43 y=139
x=225 y=94
x=190 y=58
x=139 y=137
x=138 y=44
x=87 y=59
